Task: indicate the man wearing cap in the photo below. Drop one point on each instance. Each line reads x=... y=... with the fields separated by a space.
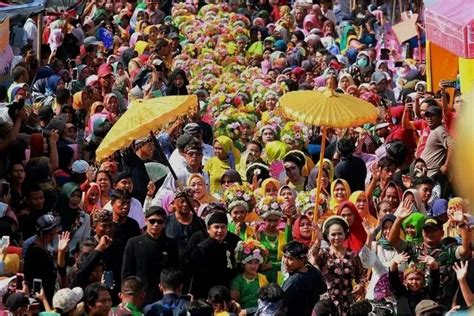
x=438 y=149
x=194 y=130
x=380 y=79
x=303 y=278
x=428 y=307
x=146 y=255
x=211 y=258
x=432 y=245
x=17 y=303
x=193 y=158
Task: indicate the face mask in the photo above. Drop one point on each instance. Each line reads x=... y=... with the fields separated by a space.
x=362 y=62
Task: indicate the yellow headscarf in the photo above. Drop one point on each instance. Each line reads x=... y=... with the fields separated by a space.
x=216 y=167
x=266 y=182
x=333 y=203
x=366 y=214
x=147 y=29
x=140 y=47
x=331 y=168
x=275 y=150
x=77 y=100
x=207 y=198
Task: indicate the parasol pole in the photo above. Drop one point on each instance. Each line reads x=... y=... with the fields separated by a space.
x=320 y=174
x=173 y=173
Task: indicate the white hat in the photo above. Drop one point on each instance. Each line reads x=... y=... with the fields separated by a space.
x=66 y=299
x=80 y=166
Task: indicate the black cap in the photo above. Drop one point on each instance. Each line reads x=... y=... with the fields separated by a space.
x=216 y=217
x=183 y=141
x=122 y=175
x=16 y=300
x=46 y=222
x=45 y=112
x=433 y=222
x=434 y=110
x=193 y=129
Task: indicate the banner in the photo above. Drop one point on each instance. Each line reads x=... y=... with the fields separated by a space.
x=4 y=34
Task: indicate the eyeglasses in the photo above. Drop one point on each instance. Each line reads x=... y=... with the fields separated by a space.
x=194 y=153
x=154 y=221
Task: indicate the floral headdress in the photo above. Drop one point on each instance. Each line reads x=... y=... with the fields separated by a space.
x=239 y=194
x=413 y=267
x=269 y=205
x=306 y=201
x=249 y=250
x=295 y=133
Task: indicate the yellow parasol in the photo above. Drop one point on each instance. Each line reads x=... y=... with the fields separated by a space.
x=143 y=117
x=326 y=109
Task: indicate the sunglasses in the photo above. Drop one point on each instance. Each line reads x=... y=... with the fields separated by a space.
x=156 y=221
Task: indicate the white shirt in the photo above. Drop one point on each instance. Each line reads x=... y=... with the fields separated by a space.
x=136 y=211
x=31 y=32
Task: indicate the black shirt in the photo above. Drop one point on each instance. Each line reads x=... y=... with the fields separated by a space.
x=353 y=170
x=39 y=264
x=302 y=291
x=145 y=257
x=182 y=233
x=210 y=262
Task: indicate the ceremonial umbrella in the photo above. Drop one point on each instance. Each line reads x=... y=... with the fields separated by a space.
x=326 y=109
x=143 y=117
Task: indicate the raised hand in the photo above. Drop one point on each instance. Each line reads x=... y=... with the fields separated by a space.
x=64 y=239
x=407 y=209
x=429 y=261
x=368 y=229
x=400 y=258
x=461 y=269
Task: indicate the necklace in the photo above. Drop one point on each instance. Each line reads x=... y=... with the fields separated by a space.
x=273 y=243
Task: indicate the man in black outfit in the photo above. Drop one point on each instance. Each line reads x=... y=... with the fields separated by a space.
x=211 y=258
x=147 y=255
x=305 y=283
x=134 y=163
x=350 y=168
x=124 y=228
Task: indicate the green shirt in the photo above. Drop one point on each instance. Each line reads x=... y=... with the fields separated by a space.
x=248 y=290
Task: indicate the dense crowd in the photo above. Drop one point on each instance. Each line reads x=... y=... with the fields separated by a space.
x=235 y=228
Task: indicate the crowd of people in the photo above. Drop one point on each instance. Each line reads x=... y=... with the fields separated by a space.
x=236 y=228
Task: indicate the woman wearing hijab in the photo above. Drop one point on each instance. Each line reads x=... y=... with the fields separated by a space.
x=412 y=226
x=345 y=80
x=378 y=254
x=359 y=199
x=340 y=192
x=178 y=83
x=357 y=236
x=73 y=218
x=226 y=157
x=197 y=184
x=91 y=198
x=414 y=196
x=302 y=230
x=310 y=22
x=270 y=187
x=142 y=47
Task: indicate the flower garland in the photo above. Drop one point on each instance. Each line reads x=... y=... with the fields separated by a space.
x=306 y=201
x=239 y=194
x=249 y=250
x=269 y=205
x=295 y=134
